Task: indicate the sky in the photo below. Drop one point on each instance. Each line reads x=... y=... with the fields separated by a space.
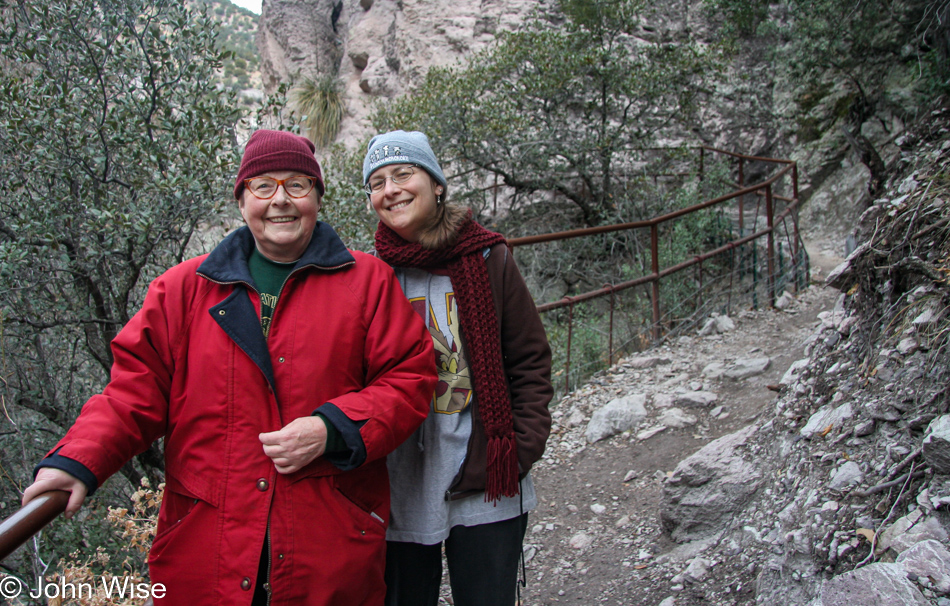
x=252 y=5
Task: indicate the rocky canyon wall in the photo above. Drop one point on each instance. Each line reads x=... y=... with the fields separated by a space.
x=378 y=48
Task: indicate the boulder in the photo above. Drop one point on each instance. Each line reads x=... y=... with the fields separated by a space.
x=794 y=372
x=872 y=584
x=788 y=580
x=580 y=540
x=645 y=362
x=717 y=324
x=695 y=399
x=707 y=488
x=846 y=476
x=784 y=301
x=575 y=419
x=743 y=368
x=714 y=370
x=648 y=433
x=824 y=417
x=928 y=559
x=616 y=417
x=675 y=417
x=842 y=276
x=697 y=570
x=909 y=530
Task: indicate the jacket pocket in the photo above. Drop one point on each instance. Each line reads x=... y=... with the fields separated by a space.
x=178 y=507
x=361 y=511
x=364 y=495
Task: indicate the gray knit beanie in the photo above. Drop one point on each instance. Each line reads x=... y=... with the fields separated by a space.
x=401 y=147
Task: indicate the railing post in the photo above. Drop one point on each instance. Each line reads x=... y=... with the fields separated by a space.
x=732 y=275
x=18 y=528
x=570 y=330
x=699 y=293
x=795 y=180
x=702 y=162
x=655 y=267
x=755 y=275
x=794 y=247
x=780 y=275
x=741 y=198
x=771 y=244
x=494 y=201
x=795 y=225
x=610 y=330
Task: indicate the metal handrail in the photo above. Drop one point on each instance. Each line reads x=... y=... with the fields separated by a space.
x=30 y=519
x=603 y=229
x=761 y=189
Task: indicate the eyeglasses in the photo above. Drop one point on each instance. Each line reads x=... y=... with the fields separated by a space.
x=399 y=177
x=265 y=188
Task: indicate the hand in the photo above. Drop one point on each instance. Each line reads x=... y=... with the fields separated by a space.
x=49 y=478
x=296 y=444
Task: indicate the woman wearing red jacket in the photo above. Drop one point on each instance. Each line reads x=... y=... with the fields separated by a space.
x=272 y=369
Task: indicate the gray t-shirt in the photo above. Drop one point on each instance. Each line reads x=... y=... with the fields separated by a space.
x=423 y=467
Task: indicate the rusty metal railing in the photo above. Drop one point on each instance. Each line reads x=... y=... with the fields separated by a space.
x=765 y=190
x=18 y=528
x=29 y=520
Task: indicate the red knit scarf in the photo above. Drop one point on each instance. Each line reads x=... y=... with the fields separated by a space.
x=469 y=275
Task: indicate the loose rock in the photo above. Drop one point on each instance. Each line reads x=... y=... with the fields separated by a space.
x=617 y=416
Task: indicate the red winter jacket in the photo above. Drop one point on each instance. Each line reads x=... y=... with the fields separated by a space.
x=193 y=366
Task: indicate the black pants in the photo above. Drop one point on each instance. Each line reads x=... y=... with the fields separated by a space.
x=483 y=566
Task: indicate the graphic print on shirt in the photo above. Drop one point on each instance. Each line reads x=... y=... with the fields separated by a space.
x=454 y=389
x=268 y=303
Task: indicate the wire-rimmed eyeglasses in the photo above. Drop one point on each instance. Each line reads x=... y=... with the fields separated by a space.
x=403 y=174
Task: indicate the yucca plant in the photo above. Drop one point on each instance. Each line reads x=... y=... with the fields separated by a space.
x=319 y=102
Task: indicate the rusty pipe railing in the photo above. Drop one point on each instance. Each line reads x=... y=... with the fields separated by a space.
x=764 y=189
x=30 y=519
x=603 y=229
x=653 y=277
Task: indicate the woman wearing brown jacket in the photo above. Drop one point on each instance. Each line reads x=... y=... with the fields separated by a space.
x=462 y=478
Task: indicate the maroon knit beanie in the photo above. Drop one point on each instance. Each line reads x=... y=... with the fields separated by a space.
x=276 y=150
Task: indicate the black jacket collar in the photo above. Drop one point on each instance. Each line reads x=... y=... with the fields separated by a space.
x=227 y=263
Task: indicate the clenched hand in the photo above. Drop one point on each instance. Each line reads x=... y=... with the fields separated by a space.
x=296 y=444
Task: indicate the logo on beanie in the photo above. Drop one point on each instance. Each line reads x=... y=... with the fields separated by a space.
x=382 y=154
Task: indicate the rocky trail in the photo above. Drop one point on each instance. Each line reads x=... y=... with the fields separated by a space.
x=596 y=536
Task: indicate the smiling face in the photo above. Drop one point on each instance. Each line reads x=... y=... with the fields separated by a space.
x=282 y=226
x=407 y=208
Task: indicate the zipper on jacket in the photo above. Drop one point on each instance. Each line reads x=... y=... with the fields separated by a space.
x=270 y=562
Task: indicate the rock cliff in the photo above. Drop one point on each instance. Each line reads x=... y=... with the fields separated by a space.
x=378 y=48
